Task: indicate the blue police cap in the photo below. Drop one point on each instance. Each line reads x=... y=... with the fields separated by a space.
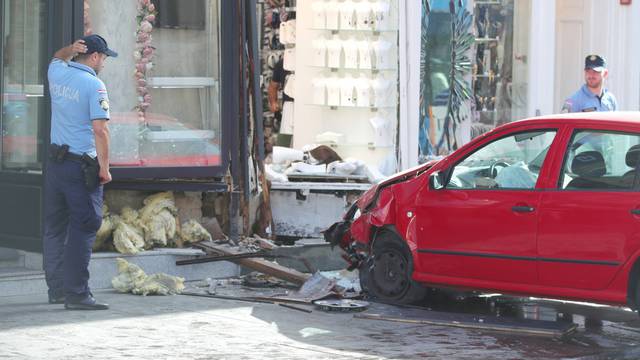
x=595 y=62
x=96 y=43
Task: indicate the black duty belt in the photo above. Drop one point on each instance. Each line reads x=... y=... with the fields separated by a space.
x=73 y=157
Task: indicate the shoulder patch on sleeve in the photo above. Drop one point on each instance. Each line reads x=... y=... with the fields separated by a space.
x=104 y=104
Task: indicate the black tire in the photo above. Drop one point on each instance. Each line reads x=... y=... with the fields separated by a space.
x=386 y=275
x=637 y=298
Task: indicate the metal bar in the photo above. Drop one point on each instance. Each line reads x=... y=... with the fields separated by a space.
x=246 y=299
x=206 y=259
x=245 y=156
x=223 y=297
x=2 y=22
x=255 y=70
x=294 y=307
x=213 y=186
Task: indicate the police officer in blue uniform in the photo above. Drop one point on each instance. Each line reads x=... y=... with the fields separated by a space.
x=592 y=96
x=77 y=168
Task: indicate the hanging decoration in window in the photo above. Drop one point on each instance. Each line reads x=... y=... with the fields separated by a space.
x=87 y=19
x=459 y=90
x=445 y=66
x=143 y=55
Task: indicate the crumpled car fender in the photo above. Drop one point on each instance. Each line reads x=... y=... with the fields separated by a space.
x=382 y=214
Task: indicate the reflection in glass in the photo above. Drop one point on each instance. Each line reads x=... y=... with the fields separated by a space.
x=23 y=45
x=171 y=115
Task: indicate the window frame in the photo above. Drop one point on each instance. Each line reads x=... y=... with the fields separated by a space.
x=565 y=157
x=229 y=111
x=449 y=168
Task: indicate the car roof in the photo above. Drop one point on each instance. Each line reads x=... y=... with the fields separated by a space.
x=622 y=117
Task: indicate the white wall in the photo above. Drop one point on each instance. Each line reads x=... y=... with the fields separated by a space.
x=541 y=58
x=311 y=120
x=597 y=27
x=410 y=43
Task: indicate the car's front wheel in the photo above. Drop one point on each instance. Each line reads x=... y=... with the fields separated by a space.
x=386 y=275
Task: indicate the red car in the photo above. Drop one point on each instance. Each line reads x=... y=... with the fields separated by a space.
x=548 y=206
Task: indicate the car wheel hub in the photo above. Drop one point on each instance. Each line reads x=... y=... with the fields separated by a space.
x=390 y=273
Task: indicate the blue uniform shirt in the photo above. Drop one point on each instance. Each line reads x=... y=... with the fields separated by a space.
x=77 y=98
x=584 y=101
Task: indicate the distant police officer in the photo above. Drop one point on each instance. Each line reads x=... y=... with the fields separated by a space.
x=592 y=96
x=78 y=166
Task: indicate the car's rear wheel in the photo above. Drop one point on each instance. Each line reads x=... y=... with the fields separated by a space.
x=386 y=275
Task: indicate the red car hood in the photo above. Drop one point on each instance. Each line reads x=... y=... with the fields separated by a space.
x=370 y=195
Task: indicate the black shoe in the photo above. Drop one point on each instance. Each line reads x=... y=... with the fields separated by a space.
x=56 y=299
x=88 y=303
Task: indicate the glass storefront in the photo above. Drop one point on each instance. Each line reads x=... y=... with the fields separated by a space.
x=164 y=85
x=494 y=70
x=23 y=30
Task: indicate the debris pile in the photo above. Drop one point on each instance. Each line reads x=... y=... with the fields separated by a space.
x=317 y=160
x=154 y=225
x=131 y=278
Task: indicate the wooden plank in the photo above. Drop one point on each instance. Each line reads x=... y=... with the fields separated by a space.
x=261 y=265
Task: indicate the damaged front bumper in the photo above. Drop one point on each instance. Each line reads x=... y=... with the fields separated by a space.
x=339 y=234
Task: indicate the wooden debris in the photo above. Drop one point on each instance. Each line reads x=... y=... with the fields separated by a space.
x=261 y=265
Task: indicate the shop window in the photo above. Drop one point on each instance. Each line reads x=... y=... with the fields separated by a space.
x=500 y=61
x=497 y=77
x=23 y=29
x=164 y=85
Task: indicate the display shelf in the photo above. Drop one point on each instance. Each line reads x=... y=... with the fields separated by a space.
x=487 y=39
x=480 y=3
x=478 y=76
x=369 y=145
x=361 y=31
x=342 y=107
x=175 y=82
x=371 y=71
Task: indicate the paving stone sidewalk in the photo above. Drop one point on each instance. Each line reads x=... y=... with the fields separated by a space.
x=182 y=327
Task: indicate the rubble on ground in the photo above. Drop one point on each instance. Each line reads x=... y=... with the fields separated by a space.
x=131 y=278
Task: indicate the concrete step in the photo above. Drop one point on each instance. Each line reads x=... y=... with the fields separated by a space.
x=26 y=277
x=20 y=280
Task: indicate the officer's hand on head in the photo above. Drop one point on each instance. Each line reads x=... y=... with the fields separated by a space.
x=105 y=176
x=79 y=47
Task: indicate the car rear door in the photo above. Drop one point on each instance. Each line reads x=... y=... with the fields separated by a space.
x=482 y=226
x=589 y=218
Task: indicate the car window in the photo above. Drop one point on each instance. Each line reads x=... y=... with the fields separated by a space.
x=511 y=162
x=598 y=160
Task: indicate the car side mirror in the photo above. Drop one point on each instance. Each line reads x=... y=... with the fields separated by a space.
x=435 y=181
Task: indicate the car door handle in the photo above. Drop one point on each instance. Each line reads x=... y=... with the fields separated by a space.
x=635 y=211
x=522 y=209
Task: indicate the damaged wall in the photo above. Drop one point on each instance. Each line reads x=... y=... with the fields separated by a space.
x=208 y=209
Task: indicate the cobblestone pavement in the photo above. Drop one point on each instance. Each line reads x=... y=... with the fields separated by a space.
x=183 y=327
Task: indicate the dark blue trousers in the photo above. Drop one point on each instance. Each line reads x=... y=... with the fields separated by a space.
x=72 y=216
